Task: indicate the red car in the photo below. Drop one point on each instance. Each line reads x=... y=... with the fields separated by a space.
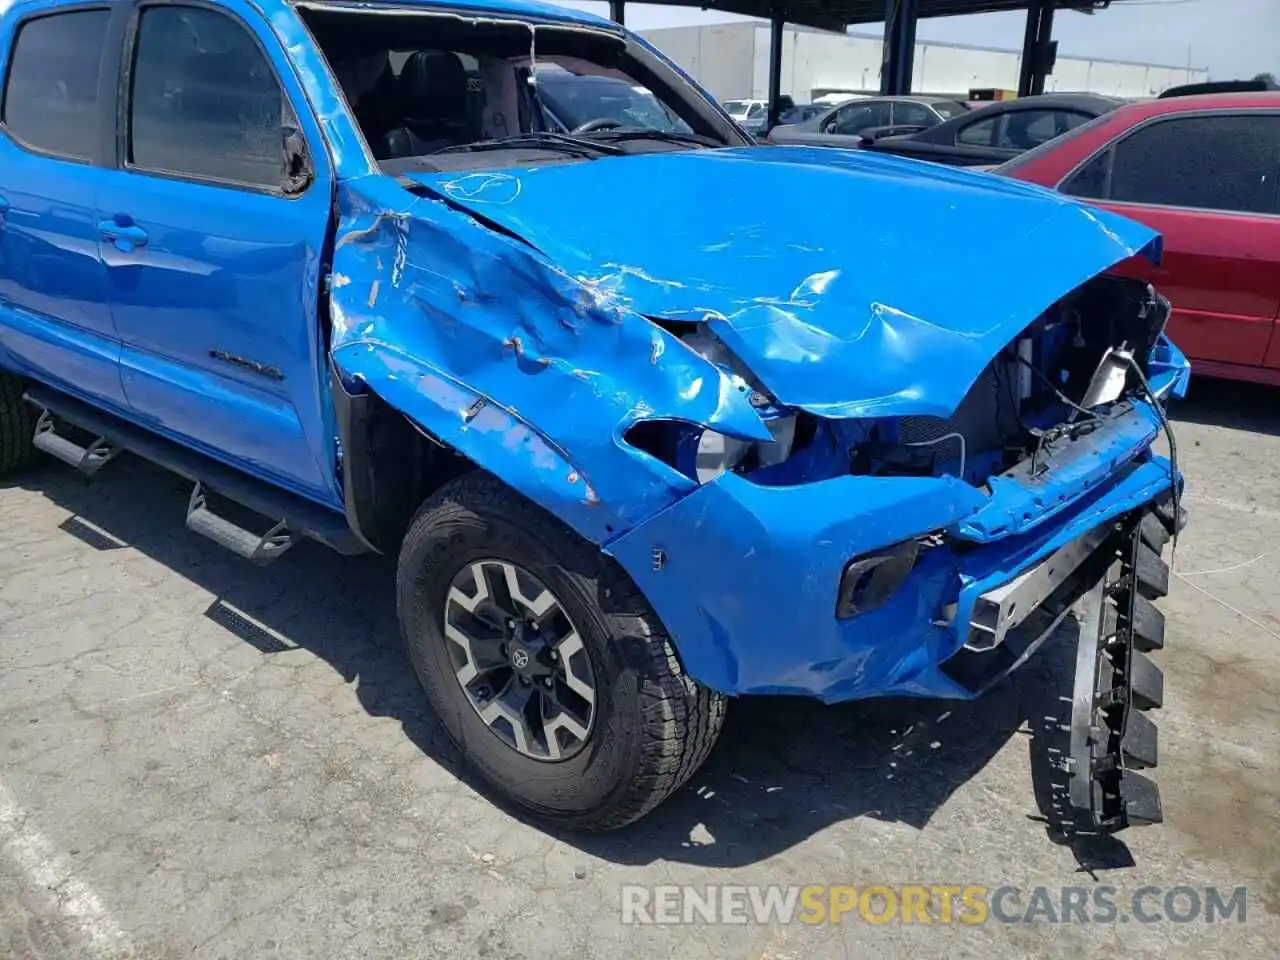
x=1205 y=172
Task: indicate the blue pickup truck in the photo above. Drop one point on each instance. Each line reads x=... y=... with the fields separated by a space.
x=640 y=443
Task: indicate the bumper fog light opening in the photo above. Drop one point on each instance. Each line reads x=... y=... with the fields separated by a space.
x=870 y=580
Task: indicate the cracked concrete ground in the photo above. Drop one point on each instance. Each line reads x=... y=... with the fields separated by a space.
x=202 y=759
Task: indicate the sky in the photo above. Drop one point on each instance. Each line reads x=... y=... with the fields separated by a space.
x=1232 y=38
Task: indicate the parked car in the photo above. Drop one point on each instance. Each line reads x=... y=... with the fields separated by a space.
x=992 y=134
x=833 y=98
x=1203 y=170
x=753 y=115
x=843 y=126
x=1220 y=86
x=639 y=443
x=800 y=113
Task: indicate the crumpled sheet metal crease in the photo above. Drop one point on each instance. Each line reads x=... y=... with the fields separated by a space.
x=521 y=316
x=884 y=291
x=524 y=370
x=544 y=317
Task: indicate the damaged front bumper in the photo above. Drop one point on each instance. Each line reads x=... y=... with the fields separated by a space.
x=746 y=577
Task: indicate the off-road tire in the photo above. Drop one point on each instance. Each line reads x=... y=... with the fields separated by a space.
x=17 y=424
x=654 y=725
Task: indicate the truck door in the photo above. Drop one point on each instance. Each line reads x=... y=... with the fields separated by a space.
x=214 y=235
x=55 y=321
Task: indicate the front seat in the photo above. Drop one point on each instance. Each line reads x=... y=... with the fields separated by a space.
x=435 y=107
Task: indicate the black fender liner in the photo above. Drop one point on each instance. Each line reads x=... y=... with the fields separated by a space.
x=389 y=465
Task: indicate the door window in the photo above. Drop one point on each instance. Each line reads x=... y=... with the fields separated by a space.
x=205 y=102
x=51 y=97
x=1024 y=129
x=1206 y=162
x=910 y=114
x=853 y=118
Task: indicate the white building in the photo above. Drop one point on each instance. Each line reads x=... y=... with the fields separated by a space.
x=732 y=61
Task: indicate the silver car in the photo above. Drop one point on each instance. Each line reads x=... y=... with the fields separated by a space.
x=845 y=125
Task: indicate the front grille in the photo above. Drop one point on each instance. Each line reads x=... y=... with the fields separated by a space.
x=978 y=419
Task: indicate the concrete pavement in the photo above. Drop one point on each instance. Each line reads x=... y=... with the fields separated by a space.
x=199 y=758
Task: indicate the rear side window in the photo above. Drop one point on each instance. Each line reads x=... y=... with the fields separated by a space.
x=1205 y=162
x=51 y=96
x=1026 y=129
x=981 y=133
x=205 y=101
x=1090 y=181
x=1080 y=129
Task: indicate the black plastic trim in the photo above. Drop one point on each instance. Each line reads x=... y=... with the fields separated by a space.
x=352 y=413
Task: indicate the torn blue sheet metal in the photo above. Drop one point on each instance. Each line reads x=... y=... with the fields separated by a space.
x=851 y=284
x=1169 y=372
x=1020 y=501
x=748 y=579
x=510 y=314
x=523 y=369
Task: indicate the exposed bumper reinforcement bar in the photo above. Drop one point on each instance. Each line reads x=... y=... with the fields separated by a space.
x=1110 y=578
x=1008 y=606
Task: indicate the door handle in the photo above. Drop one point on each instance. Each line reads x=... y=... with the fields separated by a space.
x=126 y=237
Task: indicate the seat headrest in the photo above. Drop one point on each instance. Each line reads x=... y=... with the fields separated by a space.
x=434 y=85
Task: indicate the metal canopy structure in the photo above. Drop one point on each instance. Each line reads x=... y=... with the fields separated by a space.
x=838 y=14
x=900 y=17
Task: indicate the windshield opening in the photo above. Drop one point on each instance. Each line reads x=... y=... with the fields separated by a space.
x=441 y=91
x=572 y=99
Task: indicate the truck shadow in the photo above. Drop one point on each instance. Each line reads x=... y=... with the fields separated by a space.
x=784 y=769
x=1252 y=407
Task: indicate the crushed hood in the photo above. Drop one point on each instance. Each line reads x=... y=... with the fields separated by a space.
x=851 y=284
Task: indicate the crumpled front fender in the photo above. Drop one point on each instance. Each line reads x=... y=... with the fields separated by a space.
x=529 y=373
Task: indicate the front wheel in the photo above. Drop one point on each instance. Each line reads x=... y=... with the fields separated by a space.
x=17 y=424
x=543 y=661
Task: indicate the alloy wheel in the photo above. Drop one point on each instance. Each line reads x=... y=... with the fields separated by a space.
x=519 y=660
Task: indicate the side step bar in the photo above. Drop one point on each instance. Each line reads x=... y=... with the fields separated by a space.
x=1116 y=683
x=243 y=543
x=292 y=516
x=88 y=460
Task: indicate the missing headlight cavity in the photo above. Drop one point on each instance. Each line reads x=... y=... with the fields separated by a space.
x=661 y=439
x=702 y=453
x=1082 y=357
